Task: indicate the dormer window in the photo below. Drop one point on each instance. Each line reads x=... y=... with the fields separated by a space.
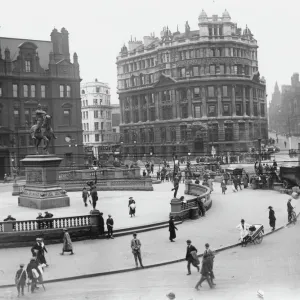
x=27 y=66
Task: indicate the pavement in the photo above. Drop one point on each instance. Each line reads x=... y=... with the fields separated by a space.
x=272 y=267
x=217 y=228
x=151 y=206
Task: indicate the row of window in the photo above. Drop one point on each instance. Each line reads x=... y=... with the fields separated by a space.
x=195 y=71
x=95 y=102
x=97 y=138
x=189 y=54
x=97 y=89
x=85 y=126
x=97 y=114
x=196 y=93
x=167 y=112
x=30 y=91
x=30 y=117
x=212 y=133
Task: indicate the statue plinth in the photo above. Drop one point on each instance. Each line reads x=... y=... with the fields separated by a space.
x=42 y=190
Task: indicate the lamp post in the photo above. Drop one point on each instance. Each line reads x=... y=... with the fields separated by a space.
x=95 y=173
x=134 y=151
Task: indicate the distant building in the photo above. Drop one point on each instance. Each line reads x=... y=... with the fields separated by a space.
x=96 y=113
x=198 y=91
x=115 y=117
x=274 y=110
x=33 y=72
x=287 y=113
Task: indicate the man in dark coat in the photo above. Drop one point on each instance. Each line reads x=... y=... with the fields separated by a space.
x=94 y=195
x=272 y=219
x=172 y=228
x=33 y=265
x=39 y=250
x=289 y=209
x=205 y=274
x=189 y=257
x=10 y=219
x=101 y=224
x=110 y=226
x=176 y=185
x=209 y=256
x=20 y=280
x=201 y=206
x=40 y=223
x=49 y=224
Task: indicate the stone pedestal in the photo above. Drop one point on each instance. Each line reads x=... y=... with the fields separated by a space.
x=42 y=190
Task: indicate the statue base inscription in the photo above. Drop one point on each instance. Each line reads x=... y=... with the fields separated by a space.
x=42 y=190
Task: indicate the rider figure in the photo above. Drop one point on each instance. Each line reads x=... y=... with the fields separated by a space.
x=40 y=117
x=290 y=209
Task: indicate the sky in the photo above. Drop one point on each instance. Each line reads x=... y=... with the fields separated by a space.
x=99 y=28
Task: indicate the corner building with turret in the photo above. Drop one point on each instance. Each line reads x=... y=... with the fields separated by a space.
x=192 y=92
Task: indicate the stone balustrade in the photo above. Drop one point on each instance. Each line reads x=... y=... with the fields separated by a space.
x=24 y=233
x=181 y=210
x=45 y=224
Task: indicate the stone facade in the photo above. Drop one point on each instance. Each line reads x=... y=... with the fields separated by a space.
x=192 y=91
x=33 y=72
x=96 y=113
x=284 y=110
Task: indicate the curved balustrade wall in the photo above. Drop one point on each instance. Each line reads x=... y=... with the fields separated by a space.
x=24 y=233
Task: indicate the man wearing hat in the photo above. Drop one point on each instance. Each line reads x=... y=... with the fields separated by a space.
x=244 y=231
x=290 y=209
x=110 y=226
x=101 y=224
x=20 y=279
x=171 y=296
x=272 y=219
x=33 y=273
x=136 y=250
x=189 y=256
x=40 y=224
x=48 y=215
x=209 y=256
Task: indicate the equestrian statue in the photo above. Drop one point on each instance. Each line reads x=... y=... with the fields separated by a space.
x=42 y=130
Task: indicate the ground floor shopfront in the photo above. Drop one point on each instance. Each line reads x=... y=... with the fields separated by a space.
x=199 y=138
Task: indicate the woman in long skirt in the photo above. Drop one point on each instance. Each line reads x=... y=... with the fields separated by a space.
x=67 y=242
x=132 y=207
x=172 y=228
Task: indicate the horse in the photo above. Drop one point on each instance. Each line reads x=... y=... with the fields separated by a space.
x=42 y=131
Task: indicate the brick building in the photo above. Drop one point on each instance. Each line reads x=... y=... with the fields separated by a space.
x=32 y=72
x=192 y=91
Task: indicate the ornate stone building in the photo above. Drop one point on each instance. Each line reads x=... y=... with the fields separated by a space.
x=96 y=112
x=274 y=110
x=193 y=91
x=32 y=72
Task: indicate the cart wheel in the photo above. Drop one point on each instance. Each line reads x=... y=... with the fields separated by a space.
x=259 y=238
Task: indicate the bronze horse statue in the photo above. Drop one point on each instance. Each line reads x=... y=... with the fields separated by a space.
x=42 y=131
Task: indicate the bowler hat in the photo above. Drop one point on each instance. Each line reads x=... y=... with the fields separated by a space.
x=134 y=234
x=22 y=265
x=270 y=207
x=109 y=215
x=242 y=221
x=189 y=241
x=206 y=245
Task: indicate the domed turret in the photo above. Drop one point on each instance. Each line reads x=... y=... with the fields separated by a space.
x=226 y=16
x=202 y=16
x=247 y=31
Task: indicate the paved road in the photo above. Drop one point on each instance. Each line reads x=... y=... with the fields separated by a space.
x=151 y=206
x=217 y=228
x=273 y=267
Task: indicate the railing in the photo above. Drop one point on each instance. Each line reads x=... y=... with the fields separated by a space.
x=44 y=224
x=189 y=204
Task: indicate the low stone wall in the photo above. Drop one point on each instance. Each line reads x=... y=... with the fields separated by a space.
x=24 y=233
x=189 y=209
x=135 y=184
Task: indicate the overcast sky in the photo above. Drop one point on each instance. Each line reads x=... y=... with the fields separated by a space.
x=99 y=28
